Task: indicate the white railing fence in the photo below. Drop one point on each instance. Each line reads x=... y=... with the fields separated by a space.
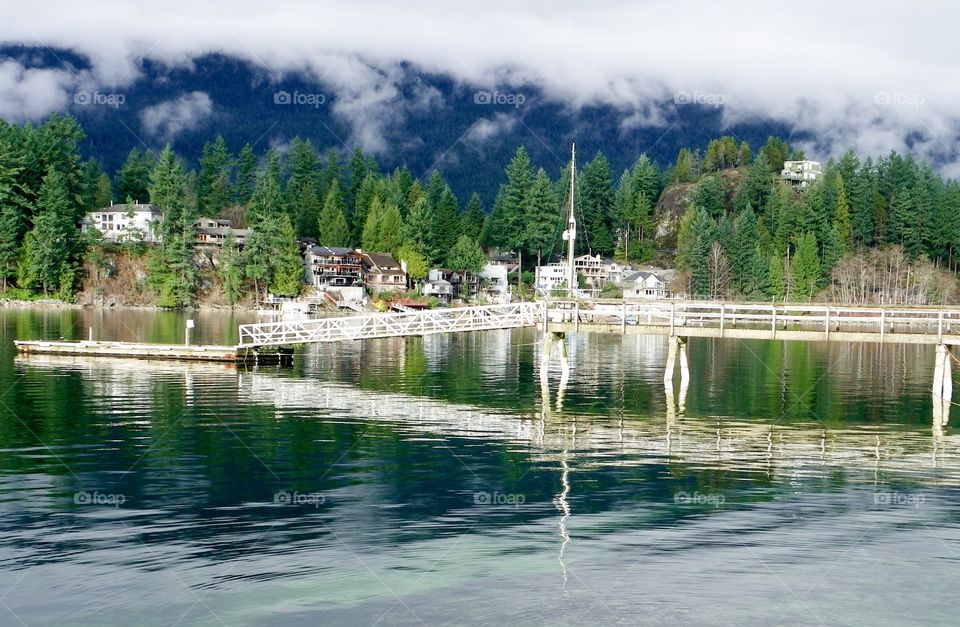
x=686 y=314
x=369 y=326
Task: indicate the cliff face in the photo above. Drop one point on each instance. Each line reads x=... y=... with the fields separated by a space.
x=673 y=202
x=120 y=278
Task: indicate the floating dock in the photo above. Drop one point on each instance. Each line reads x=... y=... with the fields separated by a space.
x=135 y=350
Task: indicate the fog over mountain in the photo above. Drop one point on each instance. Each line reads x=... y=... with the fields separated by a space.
x=457 y=87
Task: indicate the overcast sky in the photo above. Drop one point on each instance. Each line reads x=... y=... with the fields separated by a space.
x=864 y=75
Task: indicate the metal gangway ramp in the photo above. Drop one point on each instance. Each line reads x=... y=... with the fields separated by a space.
x=380 y=325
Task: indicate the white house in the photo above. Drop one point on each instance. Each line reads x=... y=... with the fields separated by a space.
x=123 y=223
x=494 y=284
x=801 y=173
x=645 y=285
x=550 y=277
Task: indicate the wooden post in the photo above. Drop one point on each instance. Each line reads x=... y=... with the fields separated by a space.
x=91 y=333
x=623 y=320
x=940 y=327
x=576 y=316
x=673 y=307
x=773 y=322
x=722 y=309
x=826 y=323
x=883 y=323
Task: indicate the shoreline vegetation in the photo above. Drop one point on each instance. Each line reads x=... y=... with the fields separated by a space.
x=879 y=230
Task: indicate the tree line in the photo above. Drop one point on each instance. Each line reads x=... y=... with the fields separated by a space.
x=745 y=233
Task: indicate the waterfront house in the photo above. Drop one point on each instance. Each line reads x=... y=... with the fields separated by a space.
x=644 y=285
x=550 y=277
x=456 y=280
x=439 y=289
x=133 y=222
x=383 y=273
x=333 y=267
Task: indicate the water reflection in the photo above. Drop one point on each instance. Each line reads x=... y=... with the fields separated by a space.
x=400 y=436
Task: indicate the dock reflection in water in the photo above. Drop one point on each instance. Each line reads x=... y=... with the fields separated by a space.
x=441 y=479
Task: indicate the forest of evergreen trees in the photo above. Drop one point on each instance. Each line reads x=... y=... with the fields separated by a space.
x=890 y=222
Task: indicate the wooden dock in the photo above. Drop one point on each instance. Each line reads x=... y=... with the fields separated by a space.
x=181 y=352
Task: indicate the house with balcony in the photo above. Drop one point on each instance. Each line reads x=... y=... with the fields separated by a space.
x=132 y=222
x=383 y=273
x=213 y=232
x=801 y=173
x=328 y=267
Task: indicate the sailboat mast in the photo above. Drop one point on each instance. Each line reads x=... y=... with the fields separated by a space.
x=572 y=222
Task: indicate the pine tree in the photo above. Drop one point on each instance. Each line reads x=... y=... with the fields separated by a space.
x=303 y=187
x=777 y=278
x=596 y=196
x=12 y=216
x=370 y=238
x=213 y=182
x=541 y=217
x=134 y=176
x=171 y=270
x=391 y=229
x=246 y=178
x=51 y=249
x=841 y=218
x=370 y=189
x=806 y=266
x=446 y=227
x=506 y=229
x=331 y=172
x=471 y=221
x=710 y=194
x=267 y=199
x=333 y=227
x=418 y=230
x=287 y=264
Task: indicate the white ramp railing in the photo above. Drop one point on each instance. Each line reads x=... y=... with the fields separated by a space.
x=370 y=326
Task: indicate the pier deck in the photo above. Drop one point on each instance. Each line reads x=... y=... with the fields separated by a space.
x=135 y=350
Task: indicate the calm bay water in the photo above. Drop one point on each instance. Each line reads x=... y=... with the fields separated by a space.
x=435 y=480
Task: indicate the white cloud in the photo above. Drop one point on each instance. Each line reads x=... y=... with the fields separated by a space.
x=27 y=94
x=819 y=69
x=487 y=128
x=170 y=118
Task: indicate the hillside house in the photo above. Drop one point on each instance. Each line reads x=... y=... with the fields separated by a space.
x=213 y=232
x=801 y=173
x=133 y=222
